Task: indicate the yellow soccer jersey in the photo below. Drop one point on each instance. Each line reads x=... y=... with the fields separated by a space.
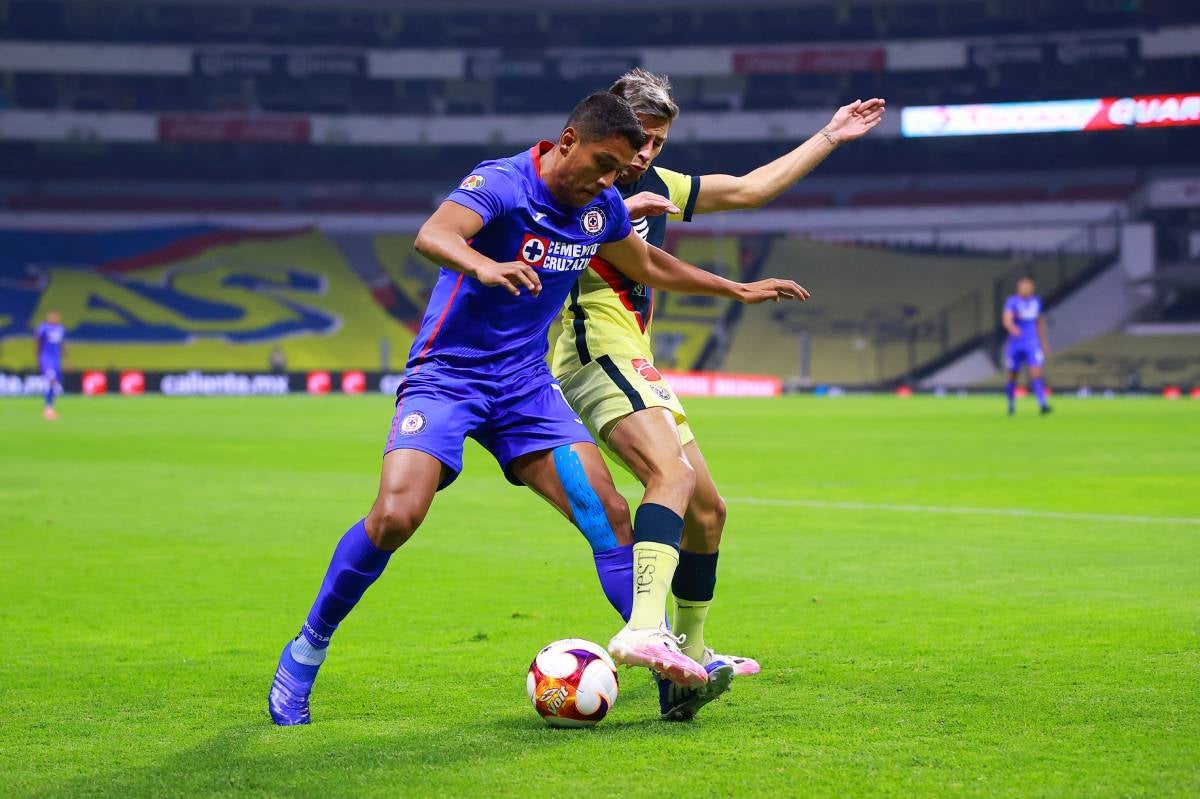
x=607 y=312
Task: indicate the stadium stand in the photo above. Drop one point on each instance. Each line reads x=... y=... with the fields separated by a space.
x=361 y=25
x=684 y=326
x=195 y=298
x=213 y=116
x=268 y=59
x=1123 y=362
x=877 y=314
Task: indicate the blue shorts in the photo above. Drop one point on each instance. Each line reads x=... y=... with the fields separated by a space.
x=436 y=413
x=1018 y=353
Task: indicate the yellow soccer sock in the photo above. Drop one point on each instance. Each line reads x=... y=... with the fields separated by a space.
x=653 y=568
x=689 y=622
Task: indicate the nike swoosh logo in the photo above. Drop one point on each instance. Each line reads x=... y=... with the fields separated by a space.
x=538 y=216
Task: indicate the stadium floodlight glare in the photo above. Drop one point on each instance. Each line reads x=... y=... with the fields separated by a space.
x=1051 y=116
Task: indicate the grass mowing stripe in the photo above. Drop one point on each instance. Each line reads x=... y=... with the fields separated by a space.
x=967 y=511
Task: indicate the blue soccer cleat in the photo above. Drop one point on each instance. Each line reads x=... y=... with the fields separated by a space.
x=288 y=701
x=682 y=704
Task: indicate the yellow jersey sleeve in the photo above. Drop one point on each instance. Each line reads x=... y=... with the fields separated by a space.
x=683 y=191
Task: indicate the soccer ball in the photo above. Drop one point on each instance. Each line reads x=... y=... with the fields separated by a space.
x=572 y=683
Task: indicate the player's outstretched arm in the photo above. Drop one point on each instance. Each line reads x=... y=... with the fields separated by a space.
x=1043 y=337
x=759 y=187
x=443 y=239
x=661 y=270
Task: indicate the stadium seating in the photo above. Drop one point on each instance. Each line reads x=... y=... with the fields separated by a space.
x=684 y=324
x=875 y=314
x=1123 y=361
x=566 y=26
x=412 y=276
x=197 y=298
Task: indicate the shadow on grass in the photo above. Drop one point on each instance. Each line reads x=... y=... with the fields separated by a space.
x=336 y=757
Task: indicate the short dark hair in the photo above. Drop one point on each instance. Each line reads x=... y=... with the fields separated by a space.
x=602 y=115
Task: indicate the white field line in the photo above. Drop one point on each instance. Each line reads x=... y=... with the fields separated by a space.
x=965 y=511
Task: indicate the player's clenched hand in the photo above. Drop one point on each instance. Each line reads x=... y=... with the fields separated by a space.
x=855 y=120
x=647 y=203
x=512 y=275
x=772 y=289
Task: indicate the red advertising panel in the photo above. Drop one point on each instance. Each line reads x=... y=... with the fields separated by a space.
x=354 y=382
x=95 y=383
x=791 y=61
x=133 y=383
x=1151 y=111
x=319 y=383
x=722 y=384
x=233 y=127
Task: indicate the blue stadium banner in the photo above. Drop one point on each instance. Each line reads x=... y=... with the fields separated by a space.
x=251 y=62
x=601 y=66
x=604 y=67
x=1066 y=49
x=1076 y=49
x=988 y=54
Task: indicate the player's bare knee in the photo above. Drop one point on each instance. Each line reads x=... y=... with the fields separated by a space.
x=392 y=521
x=720 y=512
x=616 y=508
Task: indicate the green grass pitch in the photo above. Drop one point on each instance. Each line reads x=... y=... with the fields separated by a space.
x=917 y=638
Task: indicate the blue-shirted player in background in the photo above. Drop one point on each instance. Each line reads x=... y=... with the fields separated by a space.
x=50 y=346
x=1026 y=343
x=511 y=241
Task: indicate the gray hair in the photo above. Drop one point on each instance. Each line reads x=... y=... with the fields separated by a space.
x=647 y=93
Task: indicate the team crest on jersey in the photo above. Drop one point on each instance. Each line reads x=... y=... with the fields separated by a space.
x=534 y=249
x=646 y=370
x=413 y=423
x=472 y=182
x=592 y=221
x=661 y=391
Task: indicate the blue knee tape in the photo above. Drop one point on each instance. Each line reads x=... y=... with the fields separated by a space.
x=586 y=507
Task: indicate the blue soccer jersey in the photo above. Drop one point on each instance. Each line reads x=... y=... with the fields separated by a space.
x=1025 y=348
x=49 y=343
x=1025 y=313
x=478 y=368
x=484 y=329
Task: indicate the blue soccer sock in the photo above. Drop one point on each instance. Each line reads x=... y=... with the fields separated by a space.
x=50 y=394
x=1039 y=391
x=356 y=563
x=306 y=654
x=614 y=564
x=1010 y=391
x=615 y=569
